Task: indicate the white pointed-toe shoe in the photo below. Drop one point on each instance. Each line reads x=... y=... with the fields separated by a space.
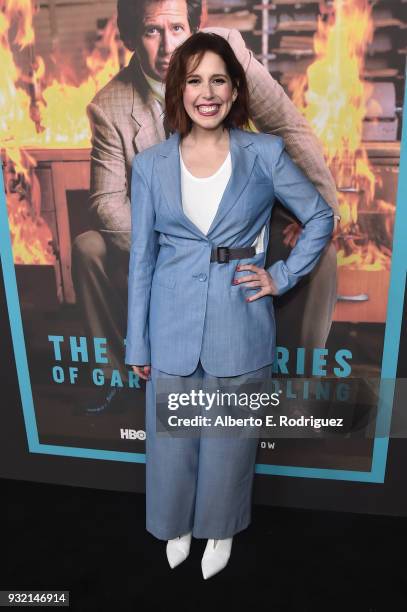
x=178 y=549
x=216 y=556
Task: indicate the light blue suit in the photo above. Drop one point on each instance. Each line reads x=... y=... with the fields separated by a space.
x=182 y=308
x=186 y=319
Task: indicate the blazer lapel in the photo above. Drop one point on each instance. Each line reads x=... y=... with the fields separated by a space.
x=145 y=111
x=169 y=176
x=243 y=160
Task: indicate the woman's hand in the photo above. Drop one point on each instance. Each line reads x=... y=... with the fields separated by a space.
x=260 y=278
x=143 y=371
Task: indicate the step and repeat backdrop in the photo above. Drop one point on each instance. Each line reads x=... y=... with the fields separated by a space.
x=73 y=412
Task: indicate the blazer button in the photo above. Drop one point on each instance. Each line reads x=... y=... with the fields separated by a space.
x=202 y=277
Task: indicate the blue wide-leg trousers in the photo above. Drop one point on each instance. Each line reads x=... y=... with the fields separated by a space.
x=198 y=483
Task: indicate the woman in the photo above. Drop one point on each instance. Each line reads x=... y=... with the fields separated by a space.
x=200 y=301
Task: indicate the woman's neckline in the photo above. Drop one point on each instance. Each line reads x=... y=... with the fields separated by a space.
x=203 y=178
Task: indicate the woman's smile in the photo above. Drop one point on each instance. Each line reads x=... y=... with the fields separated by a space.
x=208 y=110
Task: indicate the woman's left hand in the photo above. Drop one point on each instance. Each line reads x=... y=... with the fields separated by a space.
x=260 y=278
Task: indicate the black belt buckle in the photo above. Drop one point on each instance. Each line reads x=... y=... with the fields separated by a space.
x=222 y=254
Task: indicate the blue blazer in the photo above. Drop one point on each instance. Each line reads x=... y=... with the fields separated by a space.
x=181 y=306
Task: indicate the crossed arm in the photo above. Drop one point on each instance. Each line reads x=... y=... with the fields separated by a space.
x=109 y=200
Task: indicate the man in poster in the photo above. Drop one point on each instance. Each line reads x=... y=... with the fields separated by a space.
x=127 y=117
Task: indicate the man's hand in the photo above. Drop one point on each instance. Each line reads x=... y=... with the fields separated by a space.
x=143 y=371
x=291 y=234
x=260 y=278
x=293 y=231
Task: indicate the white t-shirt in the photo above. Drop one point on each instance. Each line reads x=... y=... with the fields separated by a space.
x=201 y=196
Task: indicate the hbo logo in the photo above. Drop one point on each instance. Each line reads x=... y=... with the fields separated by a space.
x=132 y=434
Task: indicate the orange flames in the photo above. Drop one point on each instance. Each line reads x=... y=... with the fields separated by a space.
x=30 y=236
x=59 y=119
x=39 y=111
x=15 y=123
x=70 y=128
x=36 y=111
x=333 y=97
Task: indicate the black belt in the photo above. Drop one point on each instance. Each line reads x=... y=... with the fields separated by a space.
x=224 y=254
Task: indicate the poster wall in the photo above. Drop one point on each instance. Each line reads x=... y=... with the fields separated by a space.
x=342 y=65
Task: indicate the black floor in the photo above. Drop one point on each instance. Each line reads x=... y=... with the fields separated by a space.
x=94 y=544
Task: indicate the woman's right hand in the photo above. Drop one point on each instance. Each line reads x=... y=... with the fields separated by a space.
x=143 y=371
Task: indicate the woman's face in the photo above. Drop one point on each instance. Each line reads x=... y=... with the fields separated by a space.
x=209 y=93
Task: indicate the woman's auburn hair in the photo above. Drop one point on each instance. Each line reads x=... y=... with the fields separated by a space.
x=196 y=46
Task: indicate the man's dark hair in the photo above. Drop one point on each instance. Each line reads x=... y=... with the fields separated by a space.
x=196 y=45
x=130 y=18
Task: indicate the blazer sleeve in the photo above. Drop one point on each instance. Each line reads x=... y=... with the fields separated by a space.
x=298 y=194
x=109 y=201
x=143 y=256
x=273 y=112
